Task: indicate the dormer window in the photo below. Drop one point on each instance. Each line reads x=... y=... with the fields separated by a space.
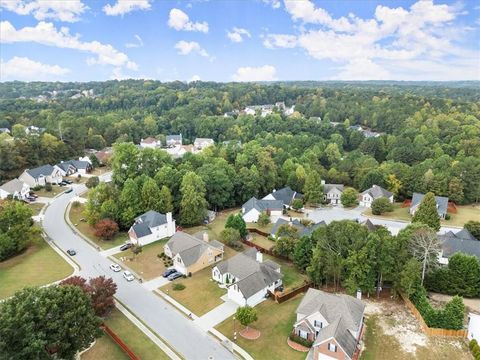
x=332 y=347
x=318 y=324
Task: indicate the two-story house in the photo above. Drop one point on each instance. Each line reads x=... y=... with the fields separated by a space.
x=41 y=175
x=286 y=195
x=375 y=192
x=15 y=188
x=332 y=193
x=150 y=142
x=150 y=227
x=252 y=209
x=442 y=204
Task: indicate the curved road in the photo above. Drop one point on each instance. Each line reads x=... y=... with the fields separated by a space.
x=180 y=333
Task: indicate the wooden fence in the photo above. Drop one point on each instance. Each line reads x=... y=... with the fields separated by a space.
x=259 y=232
x=428 y=330
x=284 y=297
x=120 y=343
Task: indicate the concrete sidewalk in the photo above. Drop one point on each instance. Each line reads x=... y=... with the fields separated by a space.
x=155 y=283
x=110 y=252
x=217 y=315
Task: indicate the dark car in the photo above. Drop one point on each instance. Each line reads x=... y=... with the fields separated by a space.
x=31 y=198
x=174 y=276
x=71 y=252
x=66 y=181
x=168 y=272
x=63 y=183
x=126 y=246
x=32 y=194
x=69 y=190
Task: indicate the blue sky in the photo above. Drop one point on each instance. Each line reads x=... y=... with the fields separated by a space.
x=262 y=40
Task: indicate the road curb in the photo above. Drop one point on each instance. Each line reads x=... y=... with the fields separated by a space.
x=75 y=230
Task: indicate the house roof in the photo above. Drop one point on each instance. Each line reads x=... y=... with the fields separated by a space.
x=149 y=140
x=189 y=247
x=141 y=230
x=262 y=205
x=64 y=165
x=13 y=186
x=6 y=130
x=442 y=202
x=370 y=226
x=286 y=195
x=377 y=192
x=77 y=164
x=204 y=140
x=461 y=241
x=338 y=329
x=152 y=218
x=329 y=187
x=174 y=137
x=302 y=229
x=44 y=170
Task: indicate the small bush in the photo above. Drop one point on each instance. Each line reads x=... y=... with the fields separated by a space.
x=447 y=217
x=300 y=340
x=178 y=287
x=472 y=344
x=37 y=187
x=76 y=204
x=48 y=187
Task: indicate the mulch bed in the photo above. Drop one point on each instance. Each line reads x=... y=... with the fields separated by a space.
x=296 y=346
x=250 y=334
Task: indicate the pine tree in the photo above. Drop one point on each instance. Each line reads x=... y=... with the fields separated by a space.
x=427 y=212
x=193 y=205
x=166 y=201
x=150 y=196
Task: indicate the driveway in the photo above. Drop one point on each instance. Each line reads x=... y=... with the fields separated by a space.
x=217 y=315
x=181 y=333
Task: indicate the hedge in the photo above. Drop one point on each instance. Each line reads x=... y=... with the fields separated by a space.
x=475 y=349
x=300 y=340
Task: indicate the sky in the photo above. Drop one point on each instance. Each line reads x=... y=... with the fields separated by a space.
x=247 y=40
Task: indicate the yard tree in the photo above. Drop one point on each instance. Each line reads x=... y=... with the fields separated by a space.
x=193 y=205
x=102 y=291
x=410 y=277
x=302 y=254
x=95 y=209
x=263 y=219
x=360 y=270
x=427 y=212
x=381 y=205
x=218 y=179
x=455 y=190
x=373 y=177
x=231 y=237
x=92 y=182
x=125 y=164
x=313 y=189
x=473 y=227
x=394 y=184
x=236 y=221
x=106 y=229
x=94 y=161
x=349 y=197
x=129 y=203
x=151 y=197
x=165 y=200
x=246 y=315
x=297 y=204
x=39 y=323
x=425 y=247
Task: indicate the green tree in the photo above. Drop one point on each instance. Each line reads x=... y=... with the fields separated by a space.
x=38 y=322
x=236 y=221
x=263 y=219
x=297 y=204
x=381 y=205
x=92 y=182
x=151 y=197
x=410 y=277
x=373 y=177
x=427 y=212
x=231 y=237
x=246 y=315
x=473 y=227
x=313 y=189
x=349 y=197
x=165 y=201
x=193 y=205
x=455 y=190
x=130 y=206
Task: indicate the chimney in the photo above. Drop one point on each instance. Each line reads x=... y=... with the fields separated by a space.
x=359 y=294
x=205 y=236
x=322 y=182
x=259 y=257
x=169 y=217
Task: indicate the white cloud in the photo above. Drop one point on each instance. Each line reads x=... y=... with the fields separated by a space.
x=280 y=40
x=261 y=73
x=237 y=34
x=188 y=47
x=179 y=20
x=68 y=11
x=122 y=7
x=137 y=44
x=22 y=68
x=46 y=34
x=273 y=3
x=195 y=78
x=363 y=69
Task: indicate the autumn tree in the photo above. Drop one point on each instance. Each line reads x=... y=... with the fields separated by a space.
x=106 y=229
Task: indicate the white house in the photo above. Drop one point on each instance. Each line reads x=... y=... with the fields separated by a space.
x=473 y=327
x=201 y=143
x=286 y=195
x=247 y=277
x=150 y=227
x=375 y=192
x=178 y=151
x=41 y=175
x=254 y=207
x=332 y=193
x=150 y=142
x=16 y=188
x=174 y=140
x=71 y=167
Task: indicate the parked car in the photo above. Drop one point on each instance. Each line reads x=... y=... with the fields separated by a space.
x=66 y=181
x=128 y=276
x=32 y=194
x=31 y=198
x=62 y=183
x=115 y=267
x=174 y=276
x=71 y=252
x=69 y=190
x=126 y=246
x=168 y=272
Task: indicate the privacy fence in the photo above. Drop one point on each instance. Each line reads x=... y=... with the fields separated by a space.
x=119 y=341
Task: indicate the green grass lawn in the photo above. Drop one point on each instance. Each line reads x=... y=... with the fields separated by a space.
x=137 y=341
x=215 y=227
x=262 y=241
x=146 y=264
x=292 y=278
x=464 y=213
x=201 y=293
x=55 y=191
x=398 y=213
x=36 y=207
x=76 y=214
x=275 y=322
x=267 y=228
x=38 y=265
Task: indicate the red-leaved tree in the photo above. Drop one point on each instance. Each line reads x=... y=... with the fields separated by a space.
x=106 y=229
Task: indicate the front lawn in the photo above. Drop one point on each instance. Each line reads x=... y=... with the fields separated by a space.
x=146 y=264
x=38 y=265
x=464 y=213
x=292 y=278
x=36 y=207
x=76 y=215
x=201 y=293
x=398 y=213
x=55 y=191
x=275 y=321
x=135 y=339
x=262 y=241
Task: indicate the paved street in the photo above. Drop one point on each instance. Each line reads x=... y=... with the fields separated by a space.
x=187 y=339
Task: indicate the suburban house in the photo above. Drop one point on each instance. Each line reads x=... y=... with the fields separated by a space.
x=4 y=130
x=41 y=175
x=201 y=143
x=75 y=166
x=179 y=151
x=371 y=227
x=34 y=130
x=473 y=324
x=253 y=207
x=104 y=155
x=150 y=142
x=174 y=140
x=150 y=227
x=16 y=188
x=193 y=253
x=286 y=195
x=248 y=277
x=333 y=322
x=375 y=192
x=332 y=193
x=442 y=204
x=302 y=229
x=461 y=241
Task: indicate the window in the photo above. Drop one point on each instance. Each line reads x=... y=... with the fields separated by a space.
x=318 y=324
x=332 y=347
x=302 y=334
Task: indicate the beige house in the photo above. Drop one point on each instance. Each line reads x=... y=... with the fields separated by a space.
x=193 y=253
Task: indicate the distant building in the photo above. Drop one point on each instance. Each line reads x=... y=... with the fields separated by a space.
x=461 y=242
x=375 y=192
x=442 y=204
x=332 y=193
x=15 y=188
x=286 y=195
x=41 y=175
x=202 y=143
x=34 y=130
x=4 y=130
x=252 y=209
x=179 y=150
x=150 y=142
x=174 y=140
x=71 y=167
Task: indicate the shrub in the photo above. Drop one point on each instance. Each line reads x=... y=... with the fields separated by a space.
x=381 y=205
x=79 y=176
x=37 y=187
x=297 y=204
x=231 y=237
x=472 y=344
x=473 y=227
x=300 y=340
x=263 y=219
x=92 y=182
x=447 y=217
x=106 y=229
x=76 y=204
x=178 y=287
x=48 y=187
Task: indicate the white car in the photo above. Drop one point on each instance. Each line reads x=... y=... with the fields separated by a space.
x=128 y=276
x=115 y=267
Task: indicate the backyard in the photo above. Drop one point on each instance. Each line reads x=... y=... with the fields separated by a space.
x=146 y=264
x=38 y=265
x=275 y=322
x=464 y=213
x=201 y=293
x=76 y=215
x=262 y=241
x=215 y=227
x=292 y=278
x=106 y=349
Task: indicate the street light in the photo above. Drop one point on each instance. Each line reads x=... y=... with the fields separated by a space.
x=234 y=330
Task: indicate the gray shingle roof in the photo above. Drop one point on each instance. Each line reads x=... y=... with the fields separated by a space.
x=64 y=165
x=141 y=230
x=302 y=230
x=152 y=218
x=189 y=247
x=13 y=186
x=442 y=202
x=328 y=187
x=286 y=195
x=462 y=241
x=338 y=329
x=377 y=192
x=262 y=205
x=44 y=170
